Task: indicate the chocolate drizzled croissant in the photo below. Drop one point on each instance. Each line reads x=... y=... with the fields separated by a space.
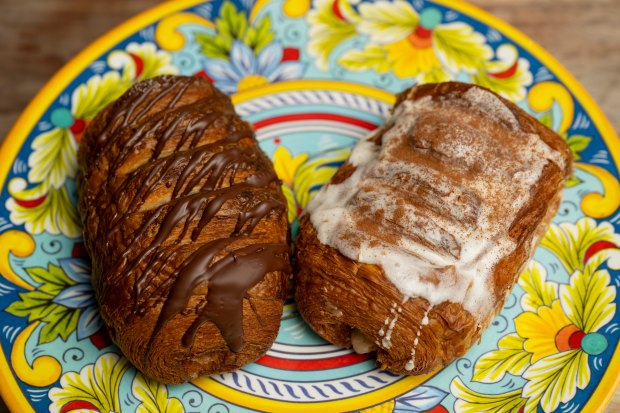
x=185 y=223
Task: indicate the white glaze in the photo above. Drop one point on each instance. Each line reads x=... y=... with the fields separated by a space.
x=389 y=322
x=438 y=256
x=411 y=362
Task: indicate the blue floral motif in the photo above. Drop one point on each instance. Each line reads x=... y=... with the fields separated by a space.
x=227 y=74
x=80 y=296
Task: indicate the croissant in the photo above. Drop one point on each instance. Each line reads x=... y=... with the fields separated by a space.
x=185 y=222
x=414 y=245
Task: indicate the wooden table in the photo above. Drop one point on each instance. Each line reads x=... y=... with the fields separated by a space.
x=40 y=36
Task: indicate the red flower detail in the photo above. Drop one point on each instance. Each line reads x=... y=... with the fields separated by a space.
x=562 y=338
x=437 y=409
x=421 y=38
x=336 y=10
x=78 y=126
x=100 y=339
x=77 y=405
x=290 y=54
x=139 y=64
x=596 y=247
x=575 y=339
x=30 y=203
x=423 y=32
x=204 y=74
x=506 y=73
x=277 y=141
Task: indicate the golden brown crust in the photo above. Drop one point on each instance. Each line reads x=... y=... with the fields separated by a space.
x=163 y=172
x=337 y=295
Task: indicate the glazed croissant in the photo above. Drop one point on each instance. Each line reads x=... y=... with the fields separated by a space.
x=185 y=222
x=414 y=245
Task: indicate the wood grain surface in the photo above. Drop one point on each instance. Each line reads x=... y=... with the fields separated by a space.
x=38 y=37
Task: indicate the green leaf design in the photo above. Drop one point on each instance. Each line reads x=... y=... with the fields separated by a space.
x=572 y=181
x=259 y=36
x=91 y=97
x=60 y=322
x=547 y=119
x=470 y=401
x=538 y=291
x=33 y=304
x=461 y=48
x=576 y=144
x=554 y=379
x=327 y=31
x=97 y=384
x=230 y=26
x=513 y=87
x=56 y=214
x=371 y=57
x=232 y=23
x=53 y=158
x=588 y=301
x=435 y=75
x=387 y=22
x=38 y=305
x=154 y=396
x=53 y=279
x=213 y=46
x=510 y=357
x=569 y=242
x=155 y=62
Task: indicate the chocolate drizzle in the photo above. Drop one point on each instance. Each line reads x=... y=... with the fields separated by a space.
x=202 y=157
x=229 y=279
x=255 y=214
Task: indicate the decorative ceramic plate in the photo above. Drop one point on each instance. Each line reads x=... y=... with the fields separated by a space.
x=311 y=78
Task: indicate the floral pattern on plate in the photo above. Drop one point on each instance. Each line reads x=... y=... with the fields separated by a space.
x=312 y=77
